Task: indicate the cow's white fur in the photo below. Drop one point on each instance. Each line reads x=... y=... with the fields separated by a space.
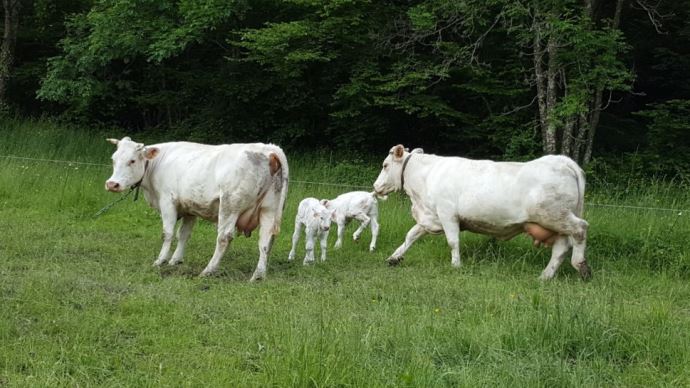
x=360 y=205
x=316 y=219
x=500 y=199
x=237 y=186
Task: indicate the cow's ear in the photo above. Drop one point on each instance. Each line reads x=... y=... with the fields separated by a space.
x=151 y=152
x=398 y=151
x=112 y=141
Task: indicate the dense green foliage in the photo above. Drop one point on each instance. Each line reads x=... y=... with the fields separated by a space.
x=81 y=305
x=451 y=76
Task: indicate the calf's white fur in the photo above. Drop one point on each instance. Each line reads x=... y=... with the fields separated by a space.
x=313 y=216
x=359 y=205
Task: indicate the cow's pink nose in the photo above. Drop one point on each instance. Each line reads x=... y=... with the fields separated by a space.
x=112 y=186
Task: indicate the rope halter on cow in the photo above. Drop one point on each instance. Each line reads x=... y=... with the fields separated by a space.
x=135 y=186
x=402 y=174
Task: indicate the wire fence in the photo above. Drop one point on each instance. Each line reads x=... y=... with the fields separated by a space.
x=344 y=185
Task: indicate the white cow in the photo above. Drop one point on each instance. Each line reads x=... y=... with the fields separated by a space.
x=543 y=198
x=360 y=205
x=237 y=186
x=313 y=215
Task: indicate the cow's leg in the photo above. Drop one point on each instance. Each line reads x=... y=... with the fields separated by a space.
x=452 y=232
x=374 y=232
x=309 y=256
x=364 y=222
x=226 y=232
x=558 y=252
x=324 y=245
x=575 y=228
x=266 y=237
x=183 y=234
x=413 y=234
x=295 y=240
x=169 y=218
x=579 y=241
x=341 y=232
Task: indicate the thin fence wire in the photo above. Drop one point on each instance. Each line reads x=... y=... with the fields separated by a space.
x=72 y=162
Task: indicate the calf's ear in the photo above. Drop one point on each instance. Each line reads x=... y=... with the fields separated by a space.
x=151 y=152
x=398 y=151
x=112 y=141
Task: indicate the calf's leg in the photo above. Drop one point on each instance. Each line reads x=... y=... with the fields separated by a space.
x=309 y=256
x=295 y=240
x=364 y=222
x=324 y=245
x=374 y=233
x=341 y=231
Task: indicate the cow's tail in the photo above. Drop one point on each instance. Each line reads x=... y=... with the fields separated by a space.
x=379 y=196
x=580 y=180
x=282 y=183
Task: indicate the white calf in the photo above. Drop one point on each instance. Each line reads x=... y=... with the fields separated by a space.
x=313 y=215
x=359 y=205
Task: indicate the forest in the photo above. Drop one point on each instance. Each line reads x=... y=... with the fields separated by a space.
x=604 y=82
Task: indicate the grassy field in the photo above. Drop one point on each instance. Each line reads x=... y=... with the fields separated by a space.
x=81 y=305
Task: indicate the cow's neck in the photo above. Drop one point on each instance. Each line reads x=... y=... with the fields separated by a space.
x=417 y=169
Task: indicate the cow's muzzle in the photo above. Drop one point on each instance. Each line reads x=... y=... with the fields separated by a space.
x=113 y=186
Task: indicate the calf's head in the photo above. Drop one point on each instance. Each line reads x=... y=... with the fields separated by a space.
x=390 y=177
x=322 y=215
x=129 y=162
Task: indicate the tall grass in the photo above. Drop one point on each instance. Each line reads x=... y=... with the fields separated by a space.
x=81 y=305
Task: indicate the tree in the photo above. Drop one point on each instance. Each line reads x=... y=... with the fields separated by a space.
x=577 y=56
x=11 y=10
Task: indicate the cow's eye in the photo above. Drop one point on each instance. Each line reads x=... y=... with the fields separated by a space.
x=385 y=166
x=131 y=162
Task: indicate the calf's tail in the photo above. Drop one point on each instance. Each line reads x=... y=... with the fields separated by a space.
x=376 y=195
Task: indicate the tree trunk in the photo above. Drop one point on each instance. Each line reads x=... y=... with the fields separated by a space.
x=551 y=97
x=596 y=106
x=9 y=41
x=580 y=139
x=593 y=122
x=541 y=81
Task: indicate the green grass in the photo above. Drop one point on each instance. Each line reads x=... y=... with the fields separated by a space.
x=81 y=305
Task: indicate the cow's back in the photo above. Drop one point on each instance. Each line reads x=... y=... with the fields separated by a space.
x=196 y=175
x=499 y=194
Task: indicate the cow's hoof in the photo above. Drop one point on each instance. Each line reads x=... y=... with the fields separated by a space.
x=371 y=249
x=205 y=273
x=393 y=261
x=158 y=263
x=256 y=277
x=585 y=272
x=307 y=262
x=175 y=262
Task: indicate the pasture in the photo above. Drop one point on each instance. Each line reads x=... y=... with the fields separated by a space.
x=80 y=303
